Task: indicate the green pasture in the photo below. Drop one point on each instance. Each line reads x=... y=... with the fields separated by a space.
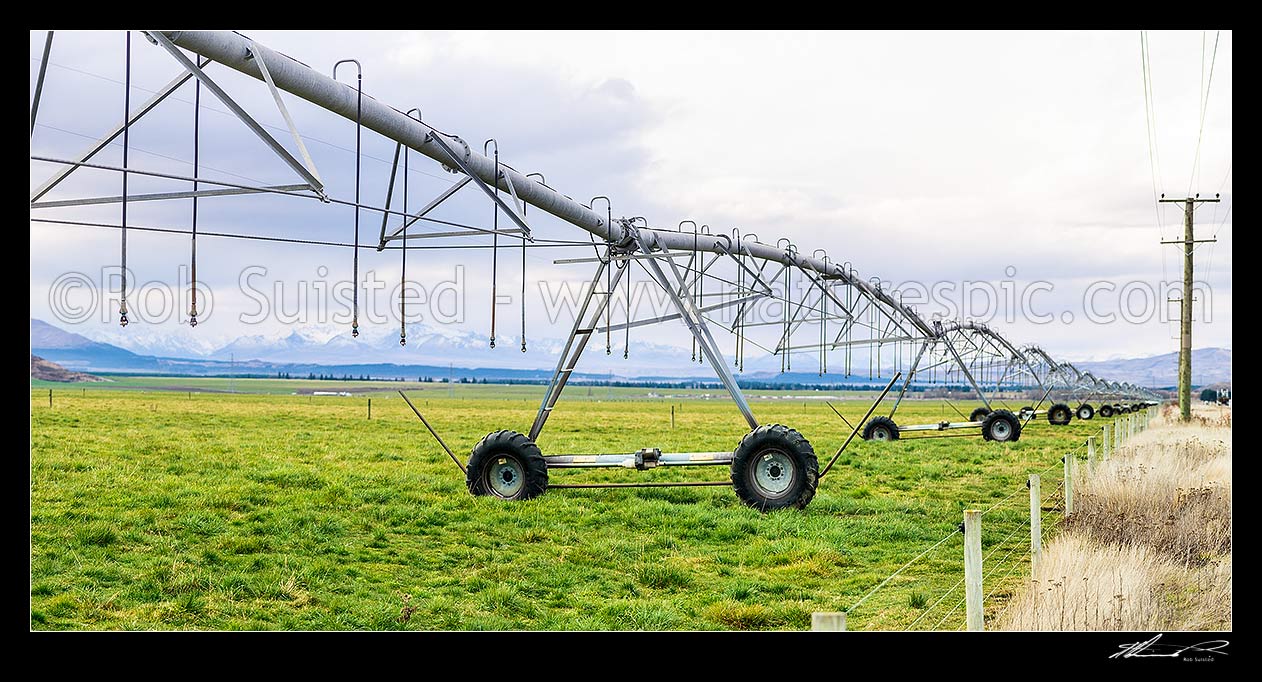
x=172 y=507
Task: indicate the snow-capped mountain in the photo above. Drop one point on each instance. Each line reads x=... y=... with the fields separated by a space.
x=377 y=352
x=162 y=342
x=426 y=345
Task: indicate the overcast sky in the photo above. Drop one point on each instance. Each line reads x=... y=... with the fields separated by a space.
x=917 y=156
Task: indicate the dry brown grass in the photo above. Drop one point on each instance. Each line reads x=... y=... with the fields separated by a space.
x=1082 y=584
x=1169 y=489
x=1149 y=544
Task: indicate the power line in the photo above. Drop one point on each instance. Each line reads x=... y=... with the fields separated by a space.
x=1154 y=155
x=1209 y=83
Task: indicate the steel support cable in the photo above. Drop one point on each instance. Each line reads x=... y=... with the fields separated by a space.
x=403 y=254
x=700 y=288
x=403 y=259
x=608 y=262
x=269 y=190
x=951 y=405
x=495 y=238
x=359 y=105
x=731 y=330
x=772 y=297
x=742 y=331
x=197 y=99
x=122 y=308
x=138 y=150
x=918 y=557
x=279 y=129
x=626 y=339
x=849 y=307
x=784 y=343
x=696 y=276
x=523 y=269
x=540 y=244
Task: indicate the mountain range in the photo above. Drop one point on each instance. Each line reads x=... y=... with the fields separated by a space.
x=439 y=352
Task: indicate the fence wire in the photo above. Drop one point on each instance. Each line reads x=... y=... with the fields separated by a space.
x=1053 y=500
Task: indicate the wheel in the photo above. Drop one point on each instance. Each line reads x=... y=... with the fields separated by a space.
x=507 y=465
x=1124 y=409
x=1085 y=411
x=1059 y=414
x=1137 y=408
x=978 y=414
x=774 y=467
x=880 y=428
x=1028 y=408
x=1001 y=426
x=1106 y=411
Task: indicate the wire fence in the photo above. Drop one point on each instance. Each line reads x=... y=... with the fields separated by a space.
x=933 y=584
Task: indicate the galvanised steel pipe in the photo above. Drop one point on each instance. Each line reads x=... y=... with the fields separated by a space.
x=235 y=51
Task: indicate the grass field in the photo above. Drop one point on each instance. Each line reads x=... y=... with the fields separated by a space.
x=124 y=382
x=161 y=509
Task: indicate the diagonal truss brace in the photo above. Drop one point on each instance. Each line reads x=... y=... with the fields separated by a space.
x=164 y=92
x=580 y=334
x=695 y=320
x=284 y=112
x=470 y=174
x=445 y=195
x=315 y=183
x=675 y=316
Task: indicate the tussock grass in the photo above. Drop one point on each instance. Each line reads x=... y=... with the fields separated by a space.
x=1149 y=544
x=1170 y=491
x=1083 y=584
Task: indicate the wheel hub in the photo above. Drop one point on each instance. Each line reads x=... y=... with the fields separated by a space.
x=505 y=477
x=774 y=473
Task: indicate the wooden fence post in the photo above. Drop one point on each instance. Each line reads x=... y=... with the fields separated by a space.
x=1106 y=442
x=1090 y=456
x=50 y=397
x=829 y=622
x=1069 y=484
x=973 y=570
x=672 y=416
x=370 y=408
x=1036 y=523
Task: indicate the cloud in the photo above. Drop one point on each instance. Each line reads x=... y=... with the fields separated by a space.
x=916 y=156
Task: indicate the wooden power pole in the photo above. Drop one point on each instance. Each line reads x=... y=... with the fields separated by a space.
x=1185 y=308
